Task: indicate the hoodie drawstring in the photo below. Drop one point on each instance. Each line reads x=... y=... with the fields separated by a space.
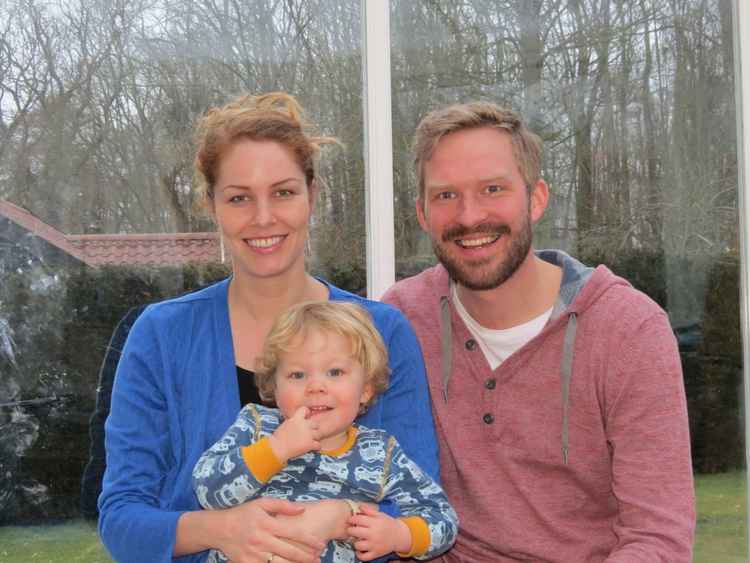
x=566 y=369
x=447 y=343
x=566 y=373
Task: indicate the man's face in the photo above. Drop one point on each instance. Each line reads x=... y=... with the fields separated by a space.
x=477 y=209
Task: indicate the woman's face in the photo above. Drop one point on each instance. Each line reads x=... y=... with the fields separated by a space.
x=262 y=207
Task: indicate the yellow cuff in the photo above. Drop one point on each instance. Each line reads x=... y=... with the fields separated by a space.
x=261 y=461
x=420 y=536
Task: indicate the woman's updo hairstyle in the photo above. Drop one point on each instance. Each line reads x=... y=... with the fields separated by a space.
x=275 y=116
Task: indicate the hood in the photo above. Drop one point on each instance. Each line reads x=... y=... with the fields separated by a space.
x=581 y=285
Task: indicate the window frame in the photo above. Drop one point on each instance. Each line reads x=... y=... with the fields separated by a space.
x=379 y=166
x=741 y=16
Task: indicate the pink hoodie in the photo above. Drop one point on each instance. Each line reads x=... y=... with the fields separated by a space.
x=609 y=397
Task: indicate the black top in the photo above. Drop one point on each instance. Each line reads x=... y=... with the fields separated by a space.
x=248 y=388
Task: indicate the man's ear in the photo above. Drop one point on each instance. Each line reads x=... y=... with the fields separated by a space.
x=421 y=216
x=539 y=199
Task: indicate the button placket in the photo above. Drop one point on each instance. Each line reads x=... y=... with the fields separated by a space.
x=491 y=383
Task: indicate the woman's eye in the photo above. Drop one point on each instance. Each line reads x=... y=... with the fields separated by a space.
x=335 y=372
x=284 y=193
x=238 y=199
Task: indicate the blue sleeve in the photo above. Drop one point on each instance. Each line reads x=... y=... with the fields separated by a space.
x=419 y=495
x=404 y=410
x=132 y=525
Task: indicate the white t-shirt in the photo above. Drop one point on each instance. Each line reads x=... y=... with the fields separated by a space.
x=497 y=345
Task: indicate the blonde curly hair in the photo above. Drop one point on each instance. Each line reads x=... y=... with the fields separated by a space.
x=335 y=317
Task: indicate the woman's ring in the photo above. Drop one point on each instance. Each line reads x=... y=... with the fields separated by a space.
x=269 y=558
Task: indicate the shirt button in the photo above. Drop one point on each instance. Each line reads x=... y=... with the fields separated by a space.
x=488 y=418
x=490 y=383
x=471 y=344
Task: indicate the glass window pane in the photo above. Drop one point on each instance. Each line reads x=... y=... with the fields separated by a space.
x=635 y=103
x=97 y=212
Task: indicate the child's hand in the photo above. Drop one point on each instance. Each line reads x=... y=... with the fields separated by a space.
x=376 y=534
x=295 y=436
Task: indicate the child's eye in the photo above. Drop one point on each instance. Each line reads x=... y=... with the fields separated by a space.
x=335 y=372
x=297 y=375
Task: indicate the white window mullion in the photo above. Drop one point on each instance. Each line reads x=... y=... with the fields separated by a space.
x=742 y=81
x=376 y=64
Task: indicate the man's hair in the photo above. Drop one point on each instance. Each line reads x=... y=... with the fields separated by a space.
x=334 y=317
x=527 y=146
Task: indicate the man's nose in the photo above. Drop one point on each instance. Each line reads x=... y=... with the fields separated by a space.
x=471 y=211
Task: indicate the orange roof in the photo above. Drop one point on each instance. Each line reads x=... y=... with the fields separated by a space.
x=140 y=249
x=39 y=228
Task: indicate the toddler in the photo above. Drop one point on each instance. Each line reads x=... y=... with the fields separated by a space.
x=324 y=363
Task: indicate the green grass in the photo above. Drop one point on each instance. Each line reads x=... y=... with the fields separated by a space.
x=74 y=541
x=721 y=533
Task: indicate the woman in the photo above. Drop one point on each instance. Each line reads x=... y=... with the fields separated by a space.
x=179 y=382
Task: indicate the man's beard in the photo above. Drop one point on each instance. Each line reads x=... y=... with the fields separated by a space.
x=477 y=275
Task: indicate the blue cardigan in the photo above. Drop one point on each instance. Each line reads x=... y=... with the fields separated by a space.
x=176 y=393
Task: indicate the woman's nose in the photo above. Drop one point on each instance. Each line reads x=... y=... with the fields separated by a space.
x=263 y=212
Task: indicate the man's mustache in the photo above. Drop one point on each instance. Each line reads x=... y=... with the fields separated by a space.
x=460 y=231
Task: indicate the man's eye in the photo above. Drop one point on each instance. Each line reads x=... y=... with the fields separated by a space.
x=494 y=189
x=335 y=372
x=445 y=195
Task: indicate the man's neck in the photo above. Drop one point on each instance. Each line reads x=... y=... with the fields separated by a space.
x=529 y=292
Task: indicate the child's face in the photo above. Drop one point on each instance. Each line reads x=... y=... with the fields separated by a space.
x=319 y=372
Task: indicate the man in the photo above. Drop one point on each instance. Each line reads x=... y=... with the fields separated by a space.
x=557 y=389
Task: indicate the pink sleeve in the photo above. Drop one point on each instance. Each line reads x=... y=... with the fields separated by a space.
x=647 y=430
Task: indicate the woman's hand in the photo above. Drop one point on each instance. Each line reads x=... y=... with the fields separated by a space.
x=251 y=532
x=325 y=519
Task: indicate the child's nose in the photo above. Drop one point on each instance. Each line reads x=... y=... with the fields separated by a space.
x=315 y=384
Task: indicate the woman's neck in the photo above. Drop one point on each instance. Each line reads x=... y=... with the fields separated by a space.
x=254 y=305
x=262 y=300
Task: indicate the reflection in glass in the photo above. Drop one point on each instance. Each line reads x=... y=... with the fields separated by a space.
x=635 y=103
x=97 y=105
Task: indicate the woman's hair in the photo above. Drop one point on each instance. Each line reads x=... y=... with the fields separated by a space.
x=334 y=317
x=275 y=116
x=527 y=146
